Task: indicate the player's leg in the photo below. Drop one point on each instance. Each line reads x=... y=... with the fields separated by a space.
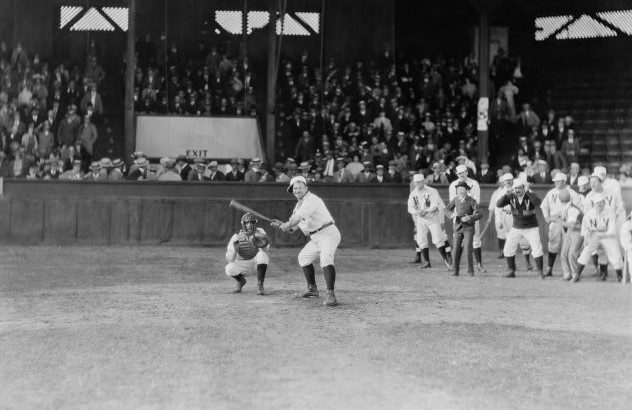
x=422 y=242
x=554 y=245
x=565 y=256
x=576 y=245
x=532 y=235
x=478 y=252
x=262 y=260
x=236 y=270
x=327 y=244
x=613 y=252
x=584 y=257
x=440 y=240
x=513 y=238
x=306 y=258
x=457 y=238
x=417 y=248
x=501 y=234
x=602 y=258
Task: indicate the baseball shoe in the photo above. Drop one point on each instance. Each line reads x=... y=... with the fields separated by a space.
x=260 y=290
x=604 y=276
x=619 y=275
x=481 y=269
x=447 y=263
x=510 y=274
x=239 y=285
x=454 y=273
x=417 y=258
x=549 y=272
x=501 y=255
x=541 y=274
x=576 y=278
x=311 y=292
x=331 y=299
x=567 y=278
x=471 y=273
x=424 y=264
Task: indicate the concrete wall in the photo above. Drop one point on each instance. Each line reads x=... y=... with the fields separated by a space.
x=59 y=213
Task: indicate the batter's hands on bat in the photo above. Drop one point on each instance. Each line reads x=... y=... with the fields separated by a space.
x=276 y=224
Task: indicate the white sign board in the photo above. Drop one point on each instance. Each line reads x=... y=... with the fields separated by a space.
x=205 y=137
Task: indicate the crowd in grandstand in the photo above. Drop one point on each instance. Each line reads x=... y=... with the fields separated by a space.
x=205 y=82
x=49 y=117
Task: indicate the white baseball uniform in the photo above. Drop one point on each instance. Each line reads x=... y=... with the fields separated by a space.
x=475 y=192
x=429 y=201
x=238 y=265
x=552 y=207
x=625 y=240
x=317 y=224
x=573 y=241
x=600 y=235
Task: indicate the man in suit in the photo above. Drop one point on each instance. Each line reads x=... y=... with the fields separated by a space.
x=484 y=176
x=69 y=127
x=541 y=176
x=182 y=164
x=198 y=171
x=237 y=173
x=366 y=176
x=528 y=120
x=393 y=175
x=213 y=174
x=253 y=174
x=380 y=177
x=573 y=176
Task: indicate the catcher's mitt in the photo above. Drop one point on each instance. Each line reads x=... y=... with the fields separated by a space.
x=260 y=240
x=245 y=247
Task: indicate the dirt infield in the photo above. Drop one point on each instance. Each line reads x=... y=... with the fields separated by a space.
x=158 y=327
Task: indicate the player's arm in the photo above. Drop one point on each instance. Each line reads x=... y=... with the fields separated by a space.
x=412 y=208
x=476 y=215
x=231 y=250
x=534 y=198
x=546 y=207
x=476 y=192
x=303 y=213
x=625 y=236
x=451 y=205
x=503 y=201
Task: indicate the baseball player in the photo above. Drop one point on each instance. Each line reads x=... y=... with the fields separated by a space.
x=314 y=220
x=427 y=209
x=243 y=259
x=525 y=225
x=475 y=192
x=600 y=235
x=503 y=219
x=583 y=189
x=552 y=208
x=625 y=239
x=571 y=221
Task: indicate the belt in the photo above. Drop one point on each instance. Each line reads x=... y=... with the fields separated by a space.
x=326 y=225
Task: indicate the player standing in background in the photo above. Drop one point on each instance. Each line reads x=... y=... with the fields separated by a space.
x=552 y=209
x=245 y=255
x=475 y=192
x=503 y=220
x=600 y=235
x=571 y=220
x=314 y=220
x=625 y=239
x=525 y=225
x=427 y=209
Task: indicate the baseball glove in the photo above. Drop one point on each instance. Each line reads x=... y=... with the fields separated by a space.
x=260 y=240
x=245 y=247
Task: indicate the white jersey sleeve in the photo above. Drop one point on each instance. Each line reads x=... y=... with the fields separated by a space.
x=625 y=236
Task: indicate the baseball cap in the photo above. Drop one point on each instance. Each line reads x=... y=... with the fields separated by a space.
x=582 y=180
x=598 y=176
x=518 y=182
x=462 y=158
x=599 y=170
x=418 y=177
x=461 y=168
x=506 y=177
x=294 y=180
x=560 y=176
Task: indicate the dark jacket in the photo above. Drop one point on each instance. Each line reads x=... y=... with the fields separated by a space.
x=524 y=213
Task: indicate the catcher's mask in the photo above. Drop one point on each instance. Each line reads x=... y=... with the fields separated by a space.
x=248 y=221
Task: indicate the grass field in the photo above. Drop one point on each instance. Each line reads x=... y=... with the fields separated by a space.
x=159 y=327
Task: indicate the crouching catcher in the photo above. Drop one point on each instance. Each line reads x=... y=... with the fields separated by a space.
x=247 y=252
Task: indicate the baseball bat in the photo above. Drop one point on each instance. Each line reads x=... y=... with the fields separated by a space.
x=238 y=205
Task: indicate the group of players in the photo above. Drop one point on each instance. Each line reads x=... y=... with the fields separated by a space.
x=586 y=225
x=583 y=225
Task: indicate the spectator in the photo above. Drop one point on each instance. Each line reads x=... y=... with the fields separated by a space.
x=570 y=147
x=342 y=175
x=141 y=171
x=281 y=176
x=573 y=176
x=366 y=176
x=528 y=120
x=69 y=127
x=541 y=176
x=74 y=174
x=170 y=173
x=253 y=174
x=379 y=178
x=116 y=174
x=394 y=174
x=305 y=148
x=198 y=171
x=438 y=176
x=183 y=167
x=213 y=174
x=555 y=159
x=484 y=175
x=87 y=137
x=237 y=171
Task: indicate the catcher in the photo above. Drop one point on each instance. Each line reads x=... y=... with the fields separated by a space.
x=246 y=252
